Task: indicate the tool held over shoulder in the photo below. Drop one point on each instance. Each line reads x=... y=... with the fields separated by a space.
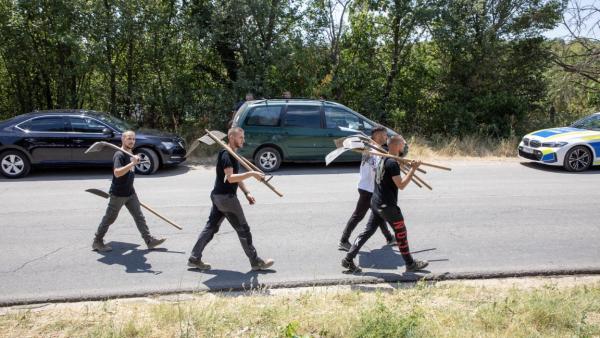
x=99 y=146
x=216 y=136
x=103 y=194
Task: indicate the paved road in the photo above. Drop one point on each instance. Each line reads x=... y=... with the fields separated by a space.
x=483 y=217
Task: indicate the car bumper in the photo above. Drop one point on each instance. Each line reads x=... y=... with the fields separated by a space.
x=173 y=156
x=551 y=156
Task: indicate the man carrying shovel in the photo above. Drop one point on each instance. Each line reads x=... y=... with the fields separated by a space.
x=368 y=166
x=384 y=205
x=122 y=194
x=225 y=204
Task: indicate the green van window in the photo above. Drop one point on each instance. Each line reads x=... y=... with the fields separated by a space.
x=303 y=117
x=264 y=116
x=336 y=117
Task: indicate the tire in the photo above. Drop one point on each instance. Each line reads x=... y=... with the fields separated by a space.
x=578 y=159
x=267 y=159
x=14 y=164
x=152 y=164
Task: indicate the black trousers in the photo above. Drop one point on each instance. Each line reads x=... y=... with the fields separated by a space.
x=380 y=215
x=115 y=203
x=226 y=207
x=362 y=206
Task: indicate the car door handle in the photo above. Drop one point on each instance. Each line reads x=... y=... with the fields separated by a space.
x=30 y=140
x=78 y=141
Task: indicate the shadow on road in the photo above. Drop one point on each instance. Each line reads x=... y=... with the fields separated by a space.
x=594 y=170
x=228 y=279
x=129 y=256
x=89 y=173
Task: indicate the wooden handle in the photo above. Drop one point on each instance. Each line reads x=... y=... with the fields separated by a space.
x=242 y=161
x=160 y=216
x=422 y=181
x=436 y=166
x=412 y=178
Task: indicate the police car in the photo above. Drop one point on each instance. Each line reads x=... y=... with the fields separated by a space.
x=576 y=147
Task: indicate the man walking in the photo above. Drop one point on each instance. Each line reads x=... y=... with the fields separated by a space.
x=123 y=193
x=385 y=209
x=368 y=167
x=225 y=204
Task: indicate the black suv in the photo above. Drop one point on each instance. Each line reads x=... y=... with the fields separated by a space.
x=60 y=138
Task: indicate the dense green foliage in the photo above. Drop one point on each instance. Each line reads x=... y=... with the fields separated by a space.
x=453 y=67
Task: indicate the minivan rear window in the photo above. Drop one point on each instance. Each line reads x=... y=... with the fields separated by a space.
x=264 y=116
x=303 y=117
x=337 y=117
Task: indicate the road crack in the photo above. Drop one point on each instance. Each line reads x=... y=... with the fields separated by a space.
x=33 y=260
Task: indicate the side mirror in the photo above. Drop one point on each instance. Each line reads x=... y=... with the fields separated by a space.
x=107 y=132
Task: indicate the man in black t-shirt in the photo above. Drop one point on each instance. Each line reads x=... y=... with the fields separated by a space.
x=384 y=206
x=122 y=194
x=225 y=205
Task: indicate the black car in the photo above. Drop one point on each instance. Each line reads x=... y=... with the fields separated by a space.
x=60 y=138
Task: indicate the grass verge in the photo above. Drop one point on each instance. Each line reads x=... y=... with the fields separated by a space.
x=456 y=309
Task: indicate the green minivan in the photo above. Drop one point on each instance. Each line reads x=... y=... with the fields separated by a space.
x=296 y=130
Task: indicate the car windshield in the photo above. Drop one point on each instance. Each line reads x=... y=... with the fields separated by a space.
x=589 y=122
x=115 y=122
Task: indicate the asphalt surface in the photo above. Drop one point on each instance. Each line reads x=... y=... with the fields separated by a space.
x=484 y=218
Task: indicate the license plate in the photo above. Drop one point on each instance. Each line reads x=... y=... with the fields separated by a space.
x=528 y=150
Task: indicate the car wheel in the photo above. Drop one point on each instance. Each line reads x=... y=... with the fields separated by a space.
x=148 y=161
x=578 y=159
x=14 y=164
x=268 y=159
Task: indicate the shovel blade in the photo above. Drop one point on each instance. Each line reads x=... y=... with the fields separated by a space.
x=206 y=139
x=97 y=146
x=333 y=155
x=353 y=143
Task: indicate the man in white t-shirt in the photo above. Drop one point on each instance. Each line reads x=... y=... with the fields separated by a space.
x=368 y=167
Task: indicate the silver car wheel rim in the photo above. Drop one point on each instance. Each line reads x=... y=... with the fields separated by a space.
x=268 y=160
x=13 y=165
x=579 y=159
x=144 y=165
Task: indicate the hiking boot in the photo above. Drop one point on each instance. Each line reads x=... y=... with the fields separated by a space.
x=198 y=264
x=154 y=242
x=262 y=265
x=349 y=264
x=99 y=246
x=344 y=246
x=391 y=242
x=416 y=266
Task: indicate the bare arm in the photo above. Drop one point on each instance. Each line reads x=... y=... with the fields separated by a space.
x=249 y=196
x=402 y=182
x=122 y=171
x=237 y=178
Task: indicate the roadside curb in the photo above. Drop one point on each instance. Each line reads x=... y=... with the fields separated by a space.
x=363 y=278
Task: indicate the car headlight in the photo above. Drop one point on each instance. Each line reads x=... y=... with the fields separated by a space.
x=168 y=145
x=554 y=144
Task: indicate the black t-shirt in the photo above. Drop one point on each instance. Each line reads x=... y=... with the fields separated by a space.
x=386 y=191
x=225 y=160
x=122 y=186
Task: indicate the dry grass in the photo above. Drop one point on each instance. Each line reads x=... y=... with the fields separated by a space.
x=444 y=310
x=465 y=147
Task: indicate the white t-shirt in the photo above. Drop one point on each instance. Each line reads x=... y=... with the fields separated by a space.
x=368 y=167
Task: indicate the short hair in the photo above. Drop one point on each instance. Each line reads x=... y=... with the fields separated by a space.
x=378 y=129
x=128 y=132
x=396 y=139
x=234 y=131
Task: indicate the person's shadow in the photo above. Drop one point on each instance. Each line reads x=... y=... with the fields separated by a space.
x=233 y=280
x=128 y=255
x=384 y=258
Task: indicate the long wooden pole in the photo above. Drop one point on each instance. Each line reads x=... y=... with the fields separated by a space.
x=242 y=161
